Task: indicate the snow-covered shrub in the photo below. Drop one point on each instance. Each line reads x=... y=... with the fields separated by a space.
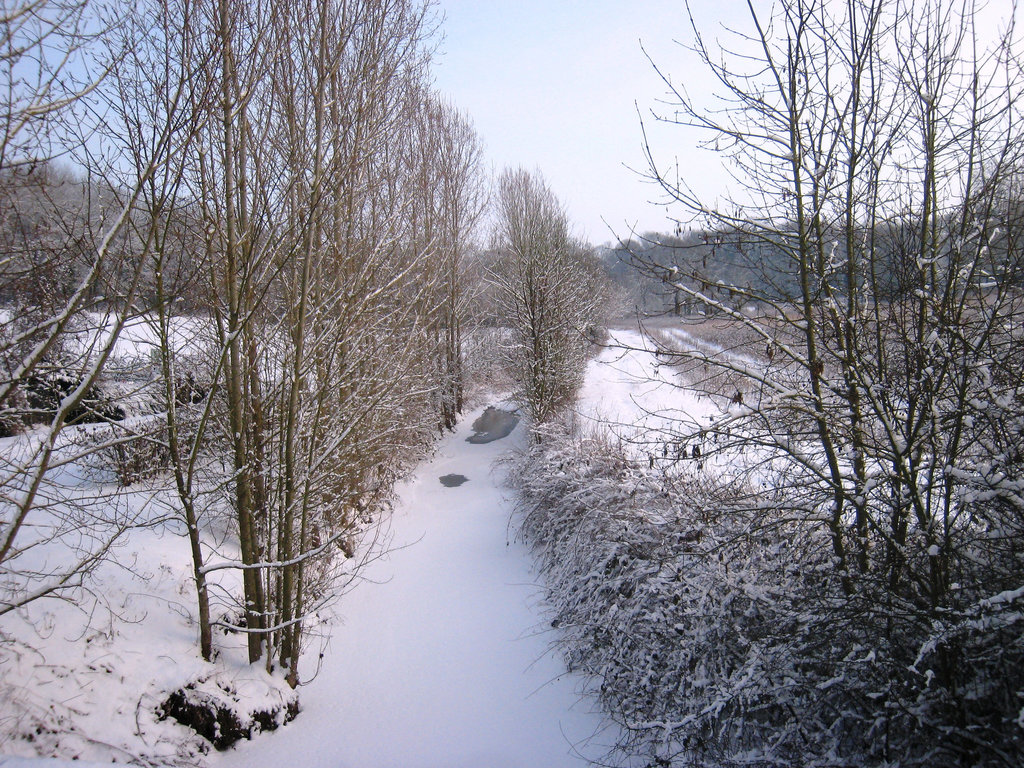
x=188 y=390
x=223 y=709
x=681 y=630
x=18 y=335
x=717 y=630
x=47 y=389
x=124 y=452
x=139 y=458
x=11 y=421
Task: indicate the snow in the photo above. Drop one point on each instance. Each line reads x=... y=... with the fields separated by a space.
x=33 y=762
x=629 y=390
x=442 y=655
x=81 y=679
x=139 y=339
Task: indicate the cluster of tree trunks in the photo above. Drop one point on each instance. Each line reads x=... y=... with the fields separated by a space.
x=286 y=176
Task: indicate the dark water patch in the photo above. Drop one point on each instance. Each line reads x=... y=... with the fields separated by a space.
x=453 y=481
x=493 y=424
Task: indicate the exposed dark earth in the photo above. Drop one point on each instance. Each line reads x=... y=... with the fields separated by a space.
x=453 y=481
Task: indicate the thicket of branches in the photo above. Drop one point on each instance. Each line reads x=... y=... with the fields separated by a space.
x=276 y=192
x=692 y=623
x=64 y=238
x=879 y=409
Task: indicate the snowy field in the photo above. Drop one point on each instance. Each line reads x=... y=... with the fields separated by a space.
x=629 y=390
x=139 y=340
x=81 y=678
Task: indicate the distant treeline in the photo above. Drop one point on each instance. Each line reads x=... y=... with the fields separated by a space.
x=654 y=269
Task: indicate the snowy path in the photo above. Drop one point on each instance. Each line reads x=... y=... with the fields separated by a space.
x=443 y=663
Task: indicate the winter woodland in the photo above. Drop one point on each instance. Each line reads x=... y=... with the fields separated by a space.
x=256 y=279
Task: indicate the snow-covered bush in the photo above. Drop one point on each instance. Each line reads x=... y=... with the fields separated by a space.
x=223 y=709
x=46 y=390
x=33 y=394
x=717 y=631
x=676 y=626
x=136 y=455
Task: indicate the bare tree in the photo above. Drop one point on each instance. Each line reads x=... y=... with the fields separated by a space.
x=548 y=293
x=449 y=197
x=319 y=317
x=877 y=148
x=160 y=87
x=71 y=230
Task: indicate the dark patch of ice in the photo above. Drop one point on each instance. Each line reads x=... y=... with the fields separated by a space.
x=493 y=424
x=453 y=481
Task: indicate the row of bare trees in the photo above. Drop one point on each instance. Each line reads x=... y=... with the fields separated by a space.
x=876 y=146
x=287 y=175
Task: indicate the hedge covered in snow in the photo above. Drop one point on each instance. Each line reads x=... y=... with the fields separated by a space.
x=715 y=632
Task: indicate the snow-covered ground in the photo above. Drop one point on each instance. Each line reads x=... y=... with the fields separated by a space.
x=629 y=391
x=81 y=678
x=441 y=657
x=26 y=762
x=139 y=339
x=82 y=673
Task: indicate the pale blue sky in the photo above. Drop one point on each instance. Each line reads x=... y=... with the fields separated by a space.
x=551 y=84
